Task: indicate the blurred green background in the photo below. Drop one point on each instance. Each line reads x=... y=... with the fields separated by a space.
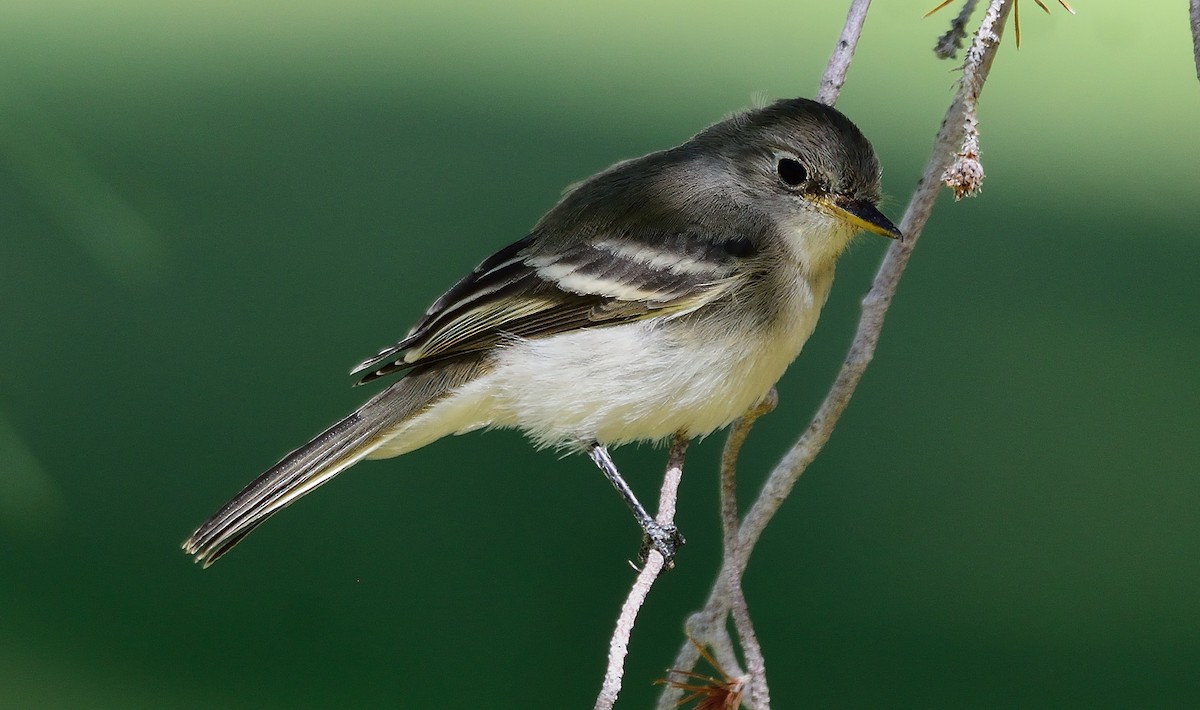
x=209 y=211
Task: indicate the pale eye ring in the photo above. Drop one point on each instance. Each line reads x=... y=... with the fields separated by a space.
x=791 y=173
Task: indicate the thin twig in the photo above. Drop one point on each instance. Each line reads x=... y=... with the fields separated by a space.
x=874 y=307
x=721 y=643
x=839 y=61
x=1195 y=12
x=760 y=696
x=964 y=176
x=618 y=646
x=948 y=44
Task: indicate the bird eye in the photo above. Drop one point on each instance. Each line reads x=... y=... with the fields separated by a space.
x=791 y=172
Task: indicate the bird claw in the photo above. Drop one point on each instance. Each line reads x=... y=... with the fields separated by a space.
x=663 y=538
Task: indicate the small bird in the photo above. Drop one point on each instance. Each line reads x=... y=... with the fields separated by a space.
x=664 y=296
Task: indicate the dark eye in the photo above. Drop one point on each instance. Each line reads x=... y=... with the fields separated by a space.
x=791 y=172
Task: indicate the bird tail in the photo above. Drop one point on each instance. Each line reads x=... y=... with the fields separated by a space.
x=331 y=452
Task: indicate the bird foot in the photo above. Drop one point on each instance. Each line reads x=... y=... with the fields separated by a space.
x=663 y=538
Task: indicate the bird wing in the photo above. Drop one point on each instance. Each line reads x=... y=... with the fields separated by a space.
x=525 y=291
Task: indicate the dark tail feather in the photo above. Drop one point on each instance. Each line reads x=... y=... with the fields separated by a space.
x=338 y=447
x=331 y=452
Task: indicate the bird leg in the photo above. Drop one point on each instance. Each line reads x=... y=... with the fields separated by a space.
x=664 y=538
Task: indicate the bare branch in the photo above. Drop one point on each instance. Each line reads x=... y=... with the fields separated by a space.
x=839 y=62
x=965 y=175
x=760 y=696
x=948 y=44
x=721 y=643
x=618 y=646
